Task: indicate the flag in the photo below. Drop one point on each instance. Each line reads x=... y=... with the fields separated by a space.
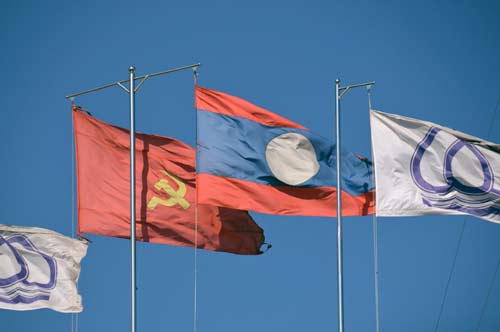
x=252 y=159
x=165 y=192
x=424 y=168
x=39 y=268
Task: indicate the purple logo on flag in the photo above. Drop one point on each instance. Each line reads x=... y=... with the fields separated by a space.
x=26 y=275
x=451 y=192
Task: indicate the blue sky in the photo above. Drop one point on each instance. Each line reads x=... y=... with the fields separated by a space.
x=432 y=60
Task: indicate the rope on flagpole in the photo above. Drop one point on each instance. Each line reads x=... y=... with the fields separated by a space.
x=74 y=317
x=72 y=173
x=195 y=290
x=375 y=269
x=369 y=93
x=375 y=236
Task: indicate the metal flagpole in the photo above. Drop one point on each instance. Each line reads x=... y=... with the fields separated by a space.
x=339 y=210
x=375 y=236
x=132 y=198
x=339 y=93
x=132 y=90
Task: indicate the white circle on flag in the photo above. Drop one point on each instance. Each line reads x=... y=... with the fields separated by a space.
x=291 y=158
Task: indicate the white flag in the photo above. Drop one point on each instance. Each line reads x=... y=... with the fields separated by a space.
x=39 y=268
x=423 y=168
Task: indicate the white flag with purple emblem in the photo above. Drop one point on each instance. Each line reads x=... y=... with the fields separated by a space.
x=422 y=168
x=39 y=268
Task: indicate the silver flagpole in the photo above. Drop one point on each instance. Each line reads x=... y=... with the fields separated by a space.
x=131 y=91
x=339 y=93
x=339 y=209
x=132 y=197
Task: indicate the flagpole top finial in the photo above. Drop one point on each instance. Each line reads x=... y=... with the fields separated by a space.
x=131 y=68
x=337 y=81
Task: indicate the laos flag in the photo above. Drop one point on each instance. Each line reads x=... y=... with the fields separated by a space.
x=252 y=159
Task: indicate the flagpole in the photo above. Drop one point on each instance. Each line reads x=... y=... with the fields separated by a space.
x=132 y=198
x=340 y=285
x=339 y=93
x=131 y=90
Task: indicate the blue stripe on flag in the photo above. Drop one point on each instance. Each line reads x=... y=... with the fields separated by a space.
x=235 y=147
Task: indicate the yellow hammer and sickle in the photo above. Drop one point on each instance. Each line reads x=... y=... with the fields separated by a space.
x=176 y=196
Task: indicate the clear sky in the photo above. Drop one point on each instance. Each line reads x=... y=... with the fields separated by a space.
x=433 y=60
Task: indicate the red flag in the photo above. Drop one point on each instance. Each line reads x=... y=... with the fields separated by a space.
x=165 y=192
x=253 y=159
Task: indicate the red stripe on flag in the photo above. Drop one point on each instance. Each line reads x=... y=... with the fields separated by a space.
x=222 y=103
x=284 y=200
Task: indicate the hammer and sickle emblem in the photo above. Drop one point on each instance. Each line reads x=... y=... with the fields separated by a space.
x=176 y=196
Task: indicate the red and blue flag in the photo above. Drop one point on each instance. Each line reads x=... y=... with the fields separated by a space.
x=253 y=159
